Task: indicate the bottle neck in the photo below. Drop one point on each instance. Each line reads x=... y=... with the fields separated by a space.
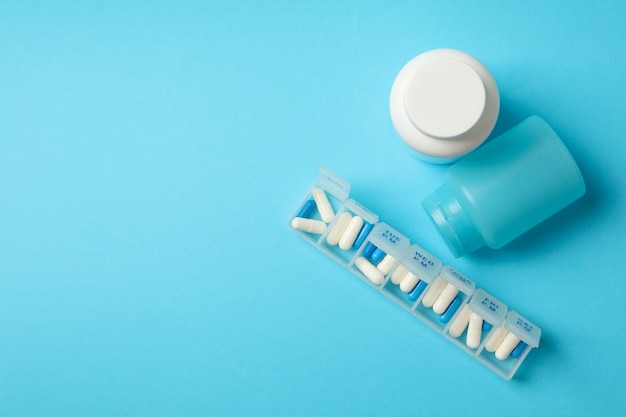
x=453 y=223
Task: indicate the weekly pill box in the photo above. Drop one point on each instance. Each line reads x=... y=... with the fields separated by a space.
x=438 y=295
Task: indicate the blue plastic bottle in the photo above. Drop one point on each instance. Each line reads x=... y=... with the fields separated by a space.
x=505 y=188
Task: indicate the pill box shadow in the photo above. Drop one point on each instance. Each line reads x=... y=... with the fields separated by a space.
x=566 y=225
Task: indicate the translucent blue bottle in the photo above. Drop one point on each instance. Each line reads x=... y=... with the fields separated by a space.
x=503 y=189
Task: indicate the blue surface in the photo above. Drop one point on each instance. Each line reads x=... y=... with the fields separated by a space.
x=151 y=153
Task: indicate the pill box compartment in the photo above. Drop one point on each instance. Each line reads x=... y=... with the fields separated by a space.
x=382 y=249
x=448 y=303
x=335 y=190
x=492 y=313
x=333 y=242
x=415 y=271
x=523 y=330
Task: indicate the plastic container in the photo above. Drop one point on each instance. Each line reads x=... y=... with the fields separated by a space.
x=443 y=104
x=379 y=255
x=505 y=188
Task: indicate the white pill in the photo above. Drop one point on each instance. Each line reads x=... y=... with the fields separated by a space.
x=386 y=264
x=474 y=331
x=369 y=270
x=496 y=339
x=351 y=232
x=409 y=282
x=433 y=292
x=323 y=205
x=337 y=231
x=460 y=323
x=398 y=275
x=308 y=225
x=506 y=347
x=445 y=298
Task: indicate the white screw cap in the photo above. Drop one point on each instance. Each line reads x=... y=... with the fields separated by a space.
x=444 y=103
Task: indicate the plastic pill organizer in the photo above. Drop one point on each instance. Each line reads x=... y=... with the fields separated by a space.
x=438 y=295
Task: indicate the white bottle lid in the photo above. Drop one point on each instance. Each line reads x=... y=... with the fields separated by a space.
x=444 y=103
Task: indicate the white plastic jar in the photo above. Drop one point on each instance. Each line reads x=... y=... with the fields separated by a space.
x=444 y=103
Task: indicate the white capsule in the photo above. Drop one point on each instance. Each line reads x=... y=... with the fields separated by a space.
x=386 y=264
x=506 y=347
x=460 y=323
x=369 y=270
x=323 y=205
x=337 y=231
x=398 y=275
x=308 y=225
x=445 y=298
x=433 y=292
x=496 y=339
x=349 y=235
x=474 y=331
x=409 y=282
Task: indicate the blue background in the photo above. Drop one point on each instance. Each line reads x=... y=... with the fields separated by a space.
x=151 y=153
